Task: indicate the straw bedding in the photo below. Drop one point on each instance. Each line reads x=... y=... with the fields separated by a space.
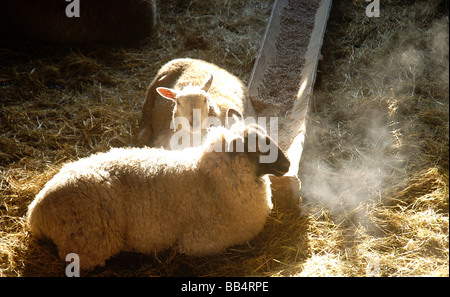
x=374 y=170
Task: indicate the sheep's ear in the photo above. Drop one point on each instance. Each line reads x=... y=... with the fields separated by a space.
x=233 y=116
x=169 y=94
x=207 y=83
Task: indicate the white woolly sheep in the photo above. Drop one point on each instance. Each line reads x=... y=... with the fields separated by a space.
x=184 y=85
x=199 y=200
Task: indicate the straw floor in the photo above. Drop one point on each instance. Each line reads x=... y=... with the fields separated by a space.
x=374 y=169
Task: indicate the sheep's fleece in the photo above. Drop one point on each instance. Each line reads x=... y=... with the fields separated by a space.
x=226 y=91
x=149 y=199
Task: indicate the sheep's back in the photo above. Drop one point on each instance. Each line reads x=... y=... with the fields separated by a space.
x=127 y=193
x=227 y=91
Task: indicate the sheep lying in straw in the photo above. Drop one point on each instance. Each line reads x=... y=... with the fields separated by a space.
x=200 y=200
x=111 y=21
x=183 y=86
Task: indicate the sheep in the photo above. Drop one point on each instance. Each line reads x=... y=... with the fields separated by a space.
x=79 y=22
x=183 y=86
x=199 y=200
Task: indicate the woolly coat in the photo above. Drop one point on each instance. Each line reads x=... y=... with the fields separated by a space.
x=227 y=91
x=148 y=199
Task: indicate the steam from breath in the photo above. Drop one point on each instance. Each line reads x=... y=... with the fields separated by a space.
x=357 y=145
x=348 y=182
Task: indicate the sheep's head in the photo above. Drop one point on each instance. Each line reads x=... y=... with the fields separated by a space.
x=190 y=100
x=262 y=151
x=253 y=141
